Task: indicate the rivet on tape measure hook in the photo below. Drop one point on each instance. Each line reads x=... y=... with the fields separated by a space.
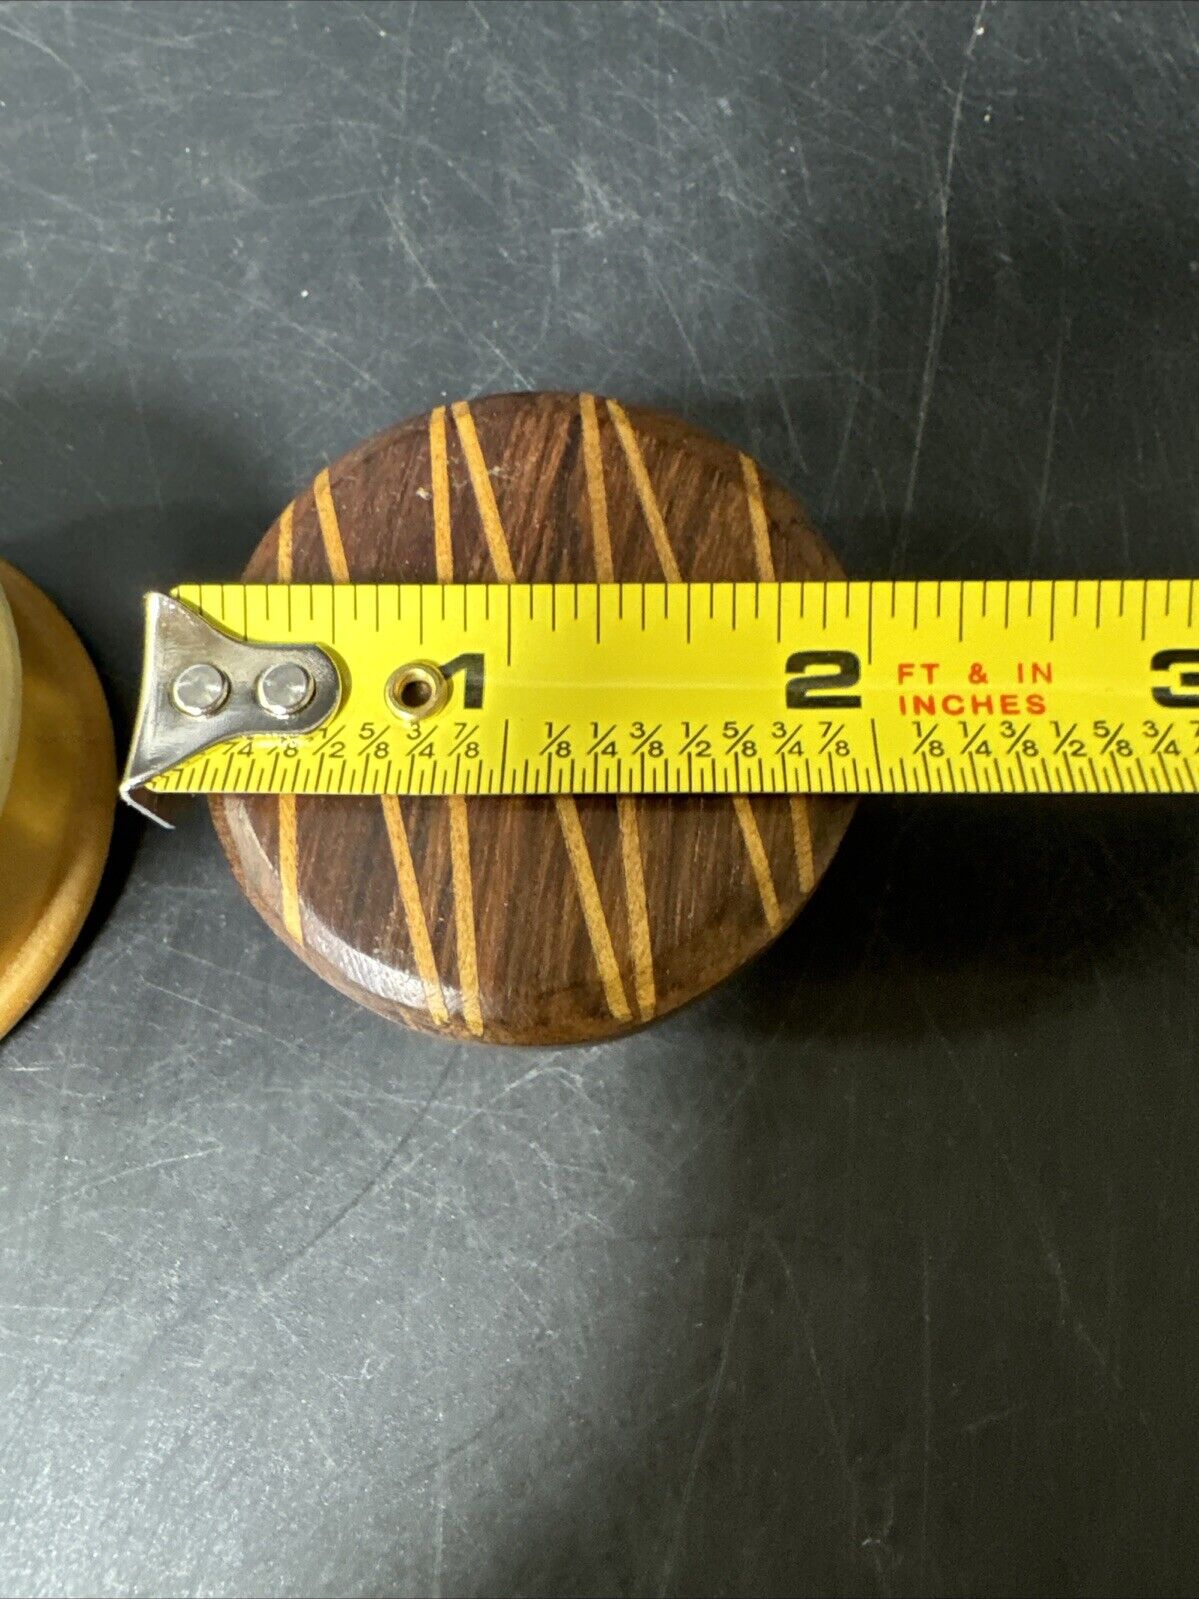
x=671 y=688
x=202 y=687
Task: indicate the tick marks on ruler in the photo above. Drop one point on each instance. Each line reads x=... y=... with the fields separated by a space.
x=970 y=693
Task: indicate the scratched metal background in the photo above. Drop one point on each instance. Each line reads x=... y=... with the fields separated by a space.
x=876 y=1271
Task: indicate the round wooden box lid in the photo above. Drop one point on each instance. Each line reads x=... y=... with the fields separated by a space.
x=56 y=821
x=533 y=920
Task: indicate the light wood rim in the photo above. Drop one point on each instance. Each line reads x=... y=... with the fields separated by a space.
x=56 y=826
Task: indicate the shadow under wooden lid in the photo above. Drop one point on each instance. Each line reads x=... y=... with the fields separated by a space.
x=534 y=920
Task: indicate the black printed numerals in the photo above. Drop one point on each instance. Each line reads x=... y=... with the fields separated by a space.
x=821 y=672
x=1170 y=661
x=471 y=667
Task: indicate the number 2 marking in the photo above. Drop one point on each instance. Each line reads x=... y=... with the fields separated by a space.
x=811 y=692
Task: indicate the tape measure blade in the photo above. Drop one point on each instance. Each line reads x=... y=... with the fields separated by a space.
x=936 y=686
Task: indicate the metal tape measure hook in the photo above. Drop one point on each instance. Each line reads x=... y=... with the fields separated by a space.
x=201 y=686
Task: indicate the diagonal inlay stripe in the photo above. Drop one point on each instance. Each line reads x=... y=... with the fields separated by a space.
x=757 y=519
x=289 y=854
x=568 y=811
x=439 y=469
x=326 y=515
x=801 y=832
x=593 y=466
x=746 y=820
x=758 y=859
x=414 y=911
x=460 y=869
x=289 y=868
x=397 y=833
x=464 y=915
x=283 y=547
x=651 y=510
x=640 y=940
x=593 y=908
x=489 y=511
x=801 y=822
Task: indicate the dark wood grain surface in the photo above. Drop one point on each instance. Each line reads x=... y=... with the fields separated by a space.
x=871 y=1272
x=534 y=920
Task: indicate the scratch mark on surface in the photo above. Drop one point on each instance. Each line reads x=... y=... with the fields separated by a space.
x=241 y=1022
x=471 y=334
x=830 y=1415
x=1050 y=430
x=103 y=1182
x=940 y=307
x=368 y=1187
x=1067 y=1314
x=439 y=1518
x=705 y=1426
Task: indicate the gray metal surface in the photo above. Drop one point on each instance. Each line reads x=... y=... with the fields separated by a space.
x=876 y=1271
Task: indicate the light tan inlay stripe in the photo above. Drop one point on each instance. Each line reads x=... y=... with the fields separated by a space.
x=439 y=468
x=464 y=915
x=640 y=941
x=283 y=546
x=289 y=860
x=801 y=830
x=801 y=822
x=757 y=519
x=489 y=511
x=645 y=492
x=568 y=810
x=593 y=466
x=755 y=849
x=289 y=868
x=634 y=885
x=414 y=911
x=397 y=833
x=326 y=515
x=758 y=860
x=460 y=870
x=593 y=909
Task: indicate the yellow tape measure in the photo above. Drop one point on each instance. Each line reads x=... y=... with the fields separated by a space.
x=861 y=687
